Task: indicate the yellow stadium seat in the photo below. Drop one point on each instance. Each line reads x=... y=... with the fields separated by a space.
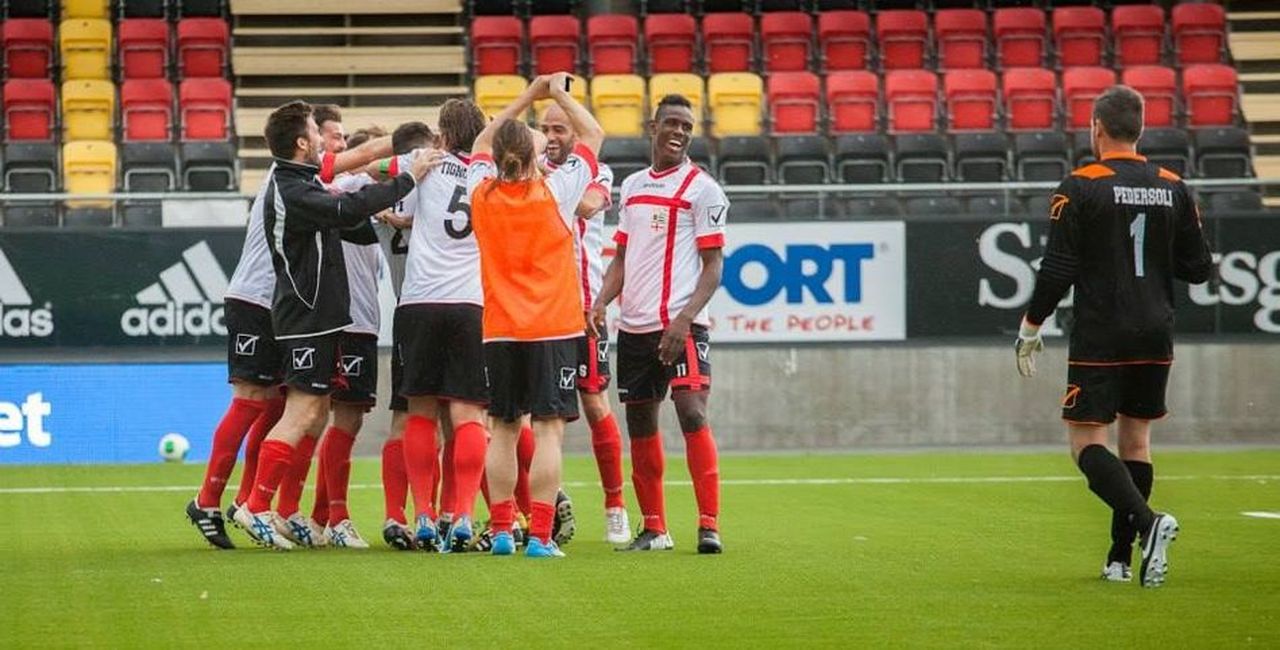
x=88 y=107
x=495 y=91
x=618 y=103
x=578 y=89
x=735 y=100
x=86 y=48
x=89 y=167
x=84 y=9
x=679 y=83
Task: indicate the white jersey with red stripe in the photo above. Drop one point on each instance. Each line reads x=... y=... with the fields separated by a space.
x=665 y=219
x=443 y=265
x=254 y=280
x=588 y=236
x=363 y=262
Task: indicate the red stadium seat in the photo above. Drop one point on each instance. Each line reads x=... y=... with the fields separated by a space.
x=785 y=37
x=1080 y=86
x=29 y=106
x=1210 y=90
x=793 y=102
x=1138 y=33
x=143 y=47
x=553 y=43
x=202 y=46
x=1030 y=98
x=205 y=105
x=611 y=41
x=1158 y=86
x=1019 y=33
x=727 y=38
x=912 y=100
x=962 y=38
x=844 y=38
x=670 y=39
x=146 y=109
x=971 y=99
x=1199 y=30
x=903 y=35
x=853 y=97
x=28 y=48
x=495 y=44
x=1078 y=35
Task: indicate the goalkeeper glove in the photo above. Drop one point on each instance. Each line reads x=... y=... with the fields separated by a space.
x=1026 y=347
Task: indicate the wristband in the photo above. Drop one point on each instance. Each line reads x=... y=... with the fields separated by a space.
x=384 y=166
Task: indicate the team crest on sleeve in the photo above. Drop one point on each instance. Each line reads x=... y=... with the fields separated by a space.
x=715 y=214
x=1056 y=205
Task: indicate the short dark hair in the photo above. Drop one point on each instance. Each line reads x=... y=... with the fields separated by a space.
x=672 y=100
x=284 y=126
x=1119 y=109
x=361 y=136
x=461 y=120
x=410 y=136
x=326 y=113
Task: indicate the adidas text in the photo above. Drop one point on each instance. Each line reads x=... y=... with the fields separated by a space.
x=23 y=321
x=174 y=320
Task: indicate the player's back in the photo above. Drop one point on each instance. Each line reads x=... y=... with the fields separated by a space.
x=444 y=261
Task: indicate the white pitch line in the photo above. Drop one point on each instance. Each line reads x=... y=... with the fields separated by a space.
x=889 y=480
x=1257 y=514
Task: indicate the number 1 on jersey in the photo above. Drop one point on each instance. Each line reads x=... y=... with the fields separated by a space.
x=1138 y=230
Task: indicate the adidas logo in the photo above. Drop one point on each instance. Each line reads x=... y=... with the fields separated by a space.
x=17 y=316
x=183 y=302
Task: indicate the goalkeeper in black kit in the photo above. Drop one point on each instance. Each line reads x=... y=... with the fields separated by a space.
x=1120 y=231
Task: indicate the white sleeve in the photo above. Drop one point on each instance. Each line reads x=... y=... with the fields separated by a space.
x=710 y=213
x=481 y=167
x=623 y=232
x=569 y=182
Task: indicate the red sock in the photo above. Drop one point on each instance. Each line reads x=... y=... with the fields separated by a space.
x=335 y=457
x=448 y=485
x=524 y=458
x=434 y=488
x=274 y=459
x=544 y=515
x=470 y=443
x=257 y=433
x=501 y=515
x=296 y=478
x=606 y=442
x=320 y=509
x=704 y=469
x=419 y=449
x=647 y=466
x=395 y=481
x=239 y=417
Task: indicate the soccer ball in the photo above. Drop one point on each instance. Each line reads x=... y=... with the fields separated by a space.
x=174 y=447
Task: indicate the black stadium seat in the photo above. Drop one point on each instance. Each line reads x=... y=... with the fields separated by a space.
x=872 y=207
x=31 y=167
x=700 y=153
x=1081 y=149
x=1169 y=148
x=1041 y=156
x=1223 y=153
x=745 y=161
x=921 y=158
x=1235 y=202
x=208 y=166
x=802 y=160
x=981 y=157
x=148 y=166
x=755 y=210
x=862 y=158
x=625 y=156
x=1038 y=205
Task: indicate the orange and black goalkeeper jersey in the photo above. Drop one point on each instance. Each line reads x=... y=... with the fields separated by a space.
x=1120 y=231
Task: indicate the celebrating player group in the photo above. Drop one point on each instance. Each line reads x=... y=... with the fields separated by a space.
x=493 y=232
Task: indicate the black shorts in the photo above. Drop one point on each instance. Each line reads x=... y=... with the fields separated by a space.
x=358 y=365
x=642 y=377
x=593 y=364
x=311 y=364
x=398 y=402
x=253 y=355
x=440 y=348
x=535 y=378
x=1096 y=394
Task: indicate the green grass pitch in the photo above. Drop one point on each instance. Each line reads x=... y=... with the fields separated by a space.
x=984 y=560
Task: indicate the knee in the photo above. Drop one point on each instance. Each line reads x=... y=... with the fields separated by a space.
x=595 y=407
x=642 y=422
x=246 y=390
x=1134 y=447
x=692 y=415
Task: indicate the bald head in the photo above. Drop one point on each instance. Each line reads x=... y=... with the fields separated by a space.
x=559 y=131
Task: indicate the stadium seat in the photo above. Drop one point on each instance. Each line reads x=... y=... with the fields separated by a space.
x=1199 y=32
x=148 y=167
x=88 y=167
x=1210 y=91
x=1080 y=86
x=30 y=167
x=202 y=47
x=811 y=208
x=1158 y=86
x=1038 y=205
x=1234 y=202
x=208 y=166
x=994 y=204
x=1223 y=153
x=981 y=157
x=1082 y=148
x=494 y=92
x=844 y=39
x=803 y=160
x=962 y=38
x=207 y=8
x=1078 y=35
x=862 y=158
x=85 y=44
x=1169 y=148
x=1030 y=98
x=143 y=47
x=933 y=205
x=873 y=208
x=496 y=45
x=756 y=210
x=146 y=109
x=625 y=156
x=611 y=43
x=1041 y=156
x=903 y=38
x=669 y=39
x=85 y=9
x=700 y=153
x=1019 y=33
x=29 y=106
x=618 y=103
x=88 y=110
x=744 y=160
x=205 y=109
x=853 y=98
x=734 y=101
x=728 y=40
x=144 y=9
x=793 y=102
x=677 y=83
x=28 y=9
x=785 y=38
x=971 y=99
x=911 y=98
x=921 y=158
x=553 y=43
x=1137 y=32
x=28 y=48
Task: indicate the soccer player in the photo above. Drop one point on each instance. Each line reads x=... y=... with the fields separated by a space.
x=593 y=360
x=533 y=319
x=1120 y=231
x=668 y=263
x=311 y=302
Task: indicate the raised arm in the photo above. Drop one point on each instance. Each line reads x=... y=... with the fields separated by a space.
x=535 y=91
x=588 y=130
x=334 y=164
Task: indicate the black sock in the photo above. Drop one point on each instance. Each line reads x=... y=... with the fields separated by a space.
x=1122 y=532
x=1109 y=479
